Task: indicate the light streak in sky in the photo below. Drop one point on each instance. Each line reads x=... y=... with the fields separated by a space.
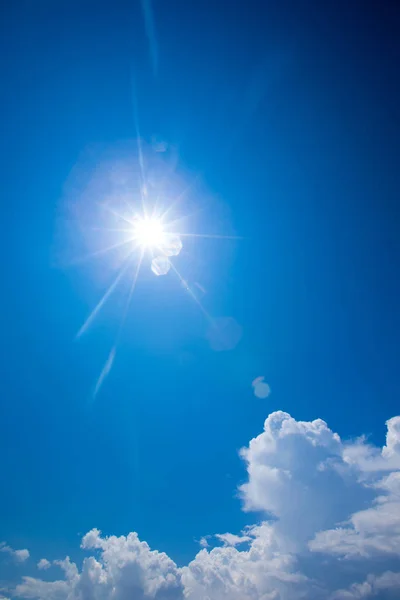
x=150 y=32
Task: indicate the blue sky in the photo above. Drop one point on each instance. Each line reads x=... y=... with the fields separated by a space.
x=283 y=121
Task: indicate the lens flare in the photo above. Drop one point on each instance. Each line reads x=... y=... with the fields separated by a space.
x=160 y=265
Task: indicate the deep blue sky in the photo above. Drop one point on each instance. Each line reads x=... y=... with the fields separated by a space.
x=291 y=116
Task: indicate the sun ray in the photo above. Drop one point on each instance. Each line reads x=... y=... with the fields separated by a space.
x=189 y=291
x=143 y=189
x=128 y=203
x=131 y=290
x=102 y=301
x=143 y=186
x=150 y=32
x=211 y=236
x=181 y=196
x=115 y=213
x=105 y=371
x=157 y=214
x=183 y=218
x=112 y=229
x=109 y=362
x=102 y=251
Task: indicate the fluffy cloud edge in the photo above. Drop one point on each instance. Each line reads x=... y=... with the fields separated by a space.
x=19 y=556
x=43 y=564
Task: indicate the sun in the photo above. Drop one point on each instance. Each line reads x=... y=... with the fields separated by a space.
x=148 y=232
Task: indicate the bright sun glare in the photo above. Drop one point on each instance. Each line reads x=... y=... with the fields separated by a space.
x=149 y=233
x=156 y=236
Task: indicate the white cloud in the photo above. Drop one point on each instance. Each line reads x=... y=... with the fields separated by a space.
x=369 y=458
x=70 y=569
x=261 y=572
x=43 y=564
x=372 y=587
x=331 y=531
x=18 y=555
x=392 y=448
x=21 y=555
x=129 y=564
x=230 y=539
x=375 y=530
x=45 y=590
x=296 y=472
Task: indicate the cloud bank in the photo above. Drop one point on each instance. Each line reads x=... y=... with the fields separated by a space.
x=331 y=531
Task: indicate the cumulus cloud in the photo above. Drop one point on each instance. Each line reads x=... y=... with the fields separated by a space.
x=127 y=563
x=230 y=539
x=375 y=530
x=46 y=590
x=263 y=571
x=43 y=564
x=296 y=473
x=387 y=586
x=18 y=555
x=330 y=531
x=368 y=458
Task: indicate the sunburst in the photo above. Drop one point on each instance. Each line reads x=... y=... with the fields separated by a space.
x=142 y=232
